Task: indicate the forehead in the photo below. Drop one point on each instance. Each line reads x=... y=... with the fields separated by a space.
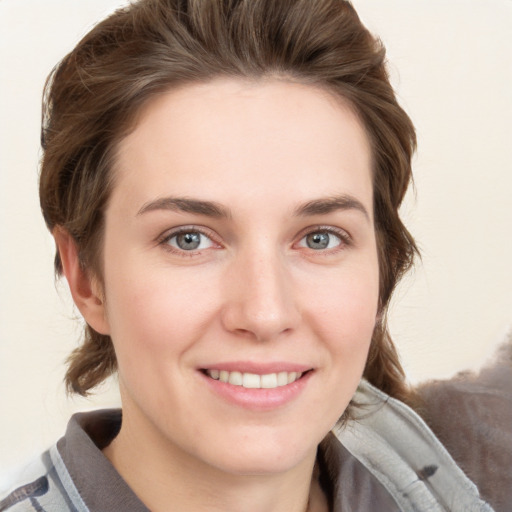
x=263 y=135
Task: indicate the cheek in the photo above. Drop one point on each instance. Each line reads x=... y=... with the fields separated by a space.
x=152 y=329
x=348 y=302
x=344 y=319
x=156 y=311
x=358 y=302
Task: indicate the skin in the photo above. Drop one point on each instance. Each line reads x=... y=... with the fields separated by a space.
x=255 y=290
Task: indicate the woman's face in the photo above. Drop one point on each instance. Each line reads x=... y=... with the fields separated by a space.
x=239 y=246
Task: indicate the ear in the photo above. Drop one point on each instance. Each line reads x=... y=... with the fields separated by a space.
x=85 y=289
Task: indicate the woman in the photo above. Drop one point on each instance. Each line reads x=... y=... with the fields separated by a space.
x=222 y=180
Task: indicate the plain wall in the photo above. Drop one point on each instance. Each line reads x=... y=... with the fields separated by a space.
x=451 y=62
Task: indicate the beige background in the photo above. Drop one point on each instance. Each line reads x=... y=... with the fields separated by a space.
x=451 y=62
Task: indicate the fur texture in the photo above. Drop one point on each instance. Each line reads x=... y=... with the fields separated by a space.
x=472 y=416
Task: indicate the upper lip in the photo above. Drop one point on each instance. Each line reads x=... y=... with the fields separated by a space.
x=258 y=368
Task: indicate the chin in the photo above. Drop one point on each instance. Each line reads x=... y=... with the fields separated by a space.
x=262 y=465
x=259 y=453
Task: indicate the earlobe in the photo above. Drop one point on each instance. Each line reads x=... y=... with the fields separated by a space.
x=85 y=289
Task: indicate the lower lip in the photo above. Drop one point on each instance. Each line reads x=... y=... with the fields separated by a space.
x=258 y=399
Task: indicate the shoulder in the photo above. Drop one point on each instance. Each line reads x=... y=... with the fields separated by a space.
x=403 y=453
x=24 y=498
x=34 y=485
x=43 y=485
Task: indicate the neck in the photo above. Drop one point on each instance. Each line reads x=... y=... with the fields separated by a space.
x=164 y=474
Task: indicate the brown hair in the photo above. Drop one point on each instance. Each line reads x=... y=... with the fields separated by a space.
x=93 y=96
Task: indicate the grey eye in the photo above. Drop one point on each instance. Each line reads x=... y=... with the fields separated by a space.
x=319 y=240
x=190 y=241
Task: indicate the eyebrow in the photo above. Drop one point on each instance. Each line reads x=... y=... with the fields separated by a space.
x=327 y=205
x=187 y=205
x=320 y=206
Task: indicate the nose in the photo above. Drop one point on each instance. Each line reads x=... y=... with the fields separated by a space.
x=260 y=299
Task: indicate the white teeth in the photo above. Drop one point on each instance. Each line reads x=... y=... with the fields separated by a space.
x=251 y=380
x=235 y=378
x=254 y=381
x=282 y=378
x=269 y=381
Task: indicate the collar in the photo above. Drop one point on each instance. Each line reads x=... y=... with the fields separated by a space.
x=85 y=468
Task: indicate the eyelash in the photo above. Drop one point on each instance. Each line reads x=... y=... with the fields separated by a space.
x=167 y=237
x=345 y=239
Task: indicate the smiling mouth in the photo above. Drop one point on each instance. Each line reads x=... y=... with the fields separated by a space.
x=253 y=380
